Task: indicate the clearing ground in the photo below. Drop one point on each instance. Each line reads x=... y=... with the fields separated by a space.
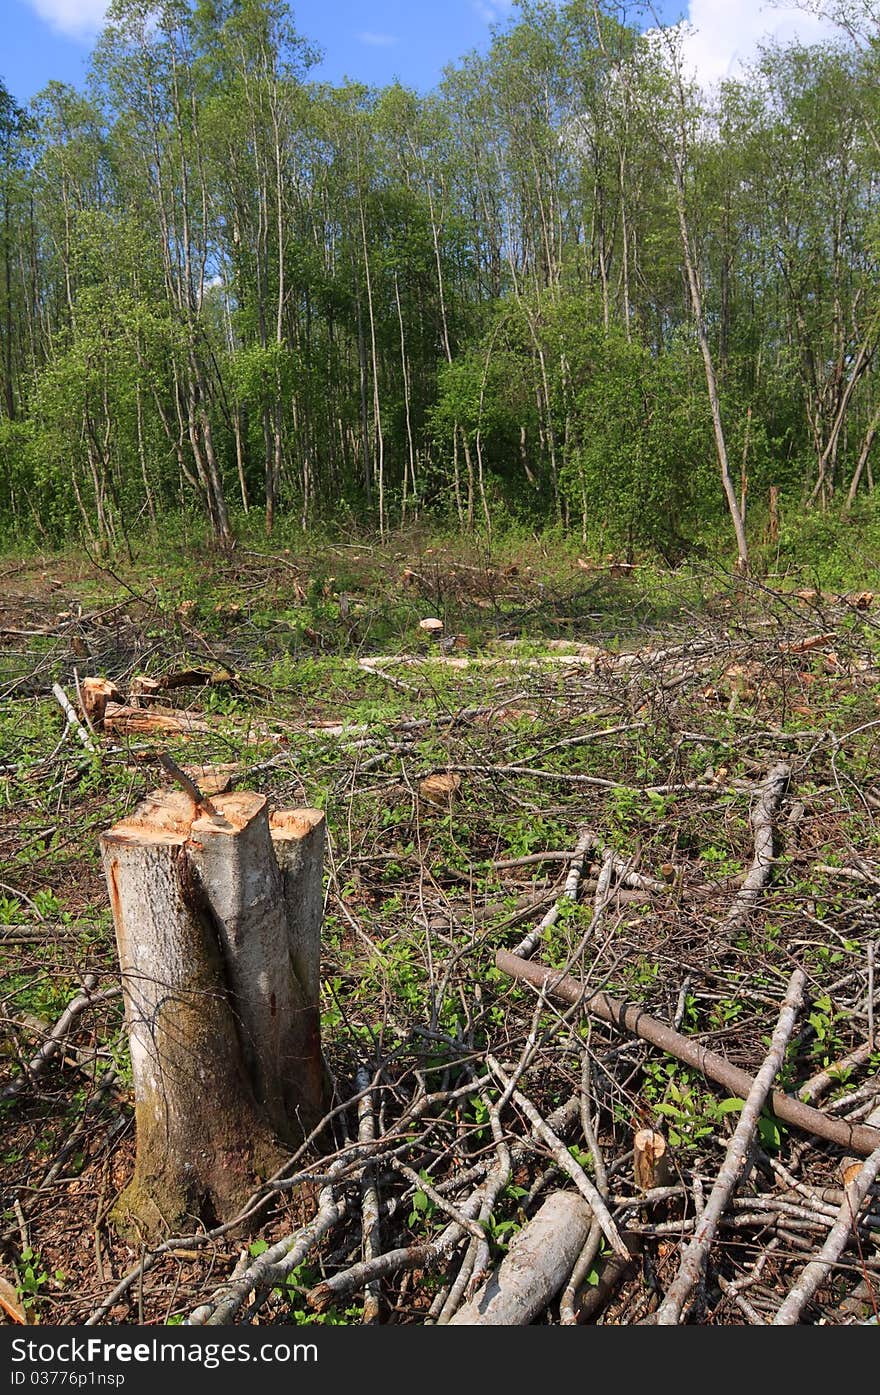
x=666 y=786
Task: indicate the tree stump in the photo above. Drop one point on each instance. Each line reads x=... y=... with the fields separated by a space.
x=651 y=1166
x=219 y=951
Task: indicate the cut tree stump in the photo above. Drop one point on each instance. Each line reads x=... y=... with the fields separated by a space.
x=95 y=693
x=224 y=1031
x=651 y=1166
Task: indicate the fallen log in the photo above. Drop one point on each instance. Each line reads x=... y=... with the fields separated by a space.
x=803 y=646
x=631 y=1017
x=123 y=719
x=143 y=689
x=538 y=1263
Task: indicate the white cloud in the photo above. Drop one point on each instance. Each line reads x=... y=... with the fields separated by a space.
x=78 y=19
x=377 y=40
x=727 y=35
x=491 y=11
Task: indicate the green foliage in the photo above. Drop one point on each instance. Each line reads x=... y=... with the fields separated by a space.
x=691 y=1113
x=225 y=287
x=33 y=1278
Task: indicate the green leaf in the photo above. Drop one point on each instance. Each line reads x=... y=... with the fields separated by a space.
x=770 y=1132
x=730 y=1106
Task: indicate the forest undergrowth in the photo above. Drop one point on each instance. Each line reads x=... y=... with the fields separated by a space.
x=664 y=784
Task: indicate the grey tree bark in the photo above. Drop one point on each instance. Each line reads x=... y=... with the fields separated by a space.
x=538 y=1263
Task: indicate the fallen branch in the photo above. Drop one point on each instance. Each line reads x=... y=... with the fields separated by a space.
x=73 y=720
x=530 y=942
x=763 y=815
x=56 y=1037
x=630 y=1017
x=420 y=1256
x=535 y=1267
x=592 y=1298
x=370 y=1227
x=821 y=1083
x=272 y=1266
x=695 y=1257
x=476 y=1261
x=568 y=1311
x=564 y=1160
x=429 y=1253
x=803 y=646
x=789 y=1313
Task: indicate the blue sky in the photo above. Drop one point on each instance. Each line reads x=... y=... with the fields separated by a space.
x=378 y=41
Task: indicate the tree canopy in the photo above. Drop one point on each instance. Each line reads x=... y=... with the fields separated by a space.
x=566 y=286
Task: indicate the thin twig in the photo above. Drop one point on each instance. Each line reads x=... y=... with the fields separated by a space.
x=696 y=1255
x=564 y=1160
x=815 y=1273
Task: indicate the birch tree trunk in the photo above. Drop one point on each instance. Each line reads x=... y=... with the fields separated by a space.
x=708 y=367
x=224 y=1035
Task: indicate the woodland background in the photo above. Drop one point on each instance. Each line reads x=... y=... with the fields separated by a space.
x=226 y=289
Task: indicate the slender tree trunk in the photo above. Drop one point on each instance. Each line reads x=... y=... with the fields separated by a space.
x=709 y=367
x=624 y=250
x=362 y=383
x=142 y=459
x=404 y=368
x=239 y=457
x=377 y=406
x=863 y=460
x=828 y=455
x=8 y=386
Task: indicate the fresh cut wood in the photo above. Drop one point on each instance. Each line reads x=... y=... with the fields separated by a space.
x=226 y=1061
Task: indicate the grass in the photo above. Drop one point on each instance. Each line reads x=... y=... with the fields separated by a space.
x=416 y=903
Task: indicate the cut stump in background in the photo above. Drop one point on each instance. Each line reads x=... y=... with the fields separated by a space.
x=223 y=1021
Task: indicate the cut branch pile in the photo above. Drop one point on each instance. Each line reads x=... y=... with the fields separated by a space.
x=597 y=987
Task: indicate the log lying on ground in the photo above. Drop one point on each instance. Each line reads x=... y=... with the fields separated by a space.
x=122 y=719
x=144 y=689
x=630 y=1017
x=224 y=1050
x=538 y=1263
x=106 y=709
